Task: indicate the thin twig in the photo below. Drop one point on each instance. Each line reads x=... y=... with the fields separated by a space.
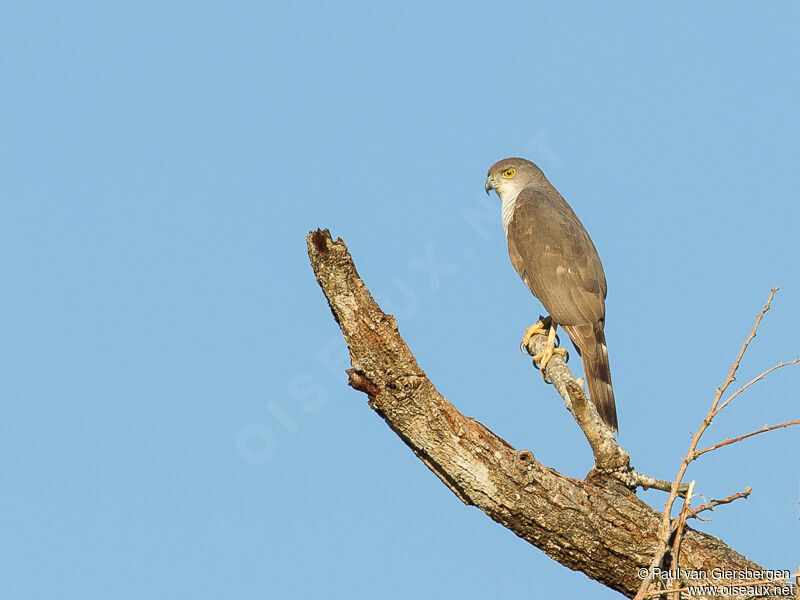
x=676 y=546
x=764 y=429
x=749 y=383
x=711 y=504
x=666 y=521
x=735 y=366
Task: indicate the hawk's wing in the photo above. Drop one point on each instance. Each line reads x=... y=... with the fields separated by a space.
x=552 y=252
x=554 y=255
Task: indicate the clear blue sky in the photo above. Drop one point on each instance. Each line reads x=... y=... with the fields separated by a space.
x=175 y=419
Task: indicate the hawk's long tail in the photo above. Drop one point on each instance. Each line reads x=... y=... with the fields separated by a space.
x=591 y=344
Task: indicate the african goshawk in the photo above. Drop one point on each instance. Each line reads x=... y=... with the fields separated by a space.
x=552 y=252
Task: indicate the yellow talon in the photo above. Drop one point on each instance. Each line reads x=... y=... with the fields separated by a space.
x=539 y=328
x=548 y=328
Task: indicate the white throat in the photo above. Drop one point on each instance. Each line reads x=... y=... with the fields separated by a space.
x=508 y=198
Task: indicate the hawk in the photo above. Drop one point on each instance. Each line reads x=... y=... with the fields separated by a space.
x=553 y=253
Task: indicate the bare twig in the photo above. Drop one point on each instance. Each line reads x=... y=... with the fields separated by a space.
x=751 y=382
x=727 y=442
x=676 y=546
x=634 y=479
x=735 y=366
x=711 y=504
x=665 y=530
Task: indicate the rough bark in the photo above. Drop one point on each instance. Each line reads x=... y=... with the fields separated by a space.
x=597 y=525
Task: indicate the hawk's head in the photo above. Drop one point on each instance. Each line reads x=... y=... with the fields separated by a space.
x=511 y=175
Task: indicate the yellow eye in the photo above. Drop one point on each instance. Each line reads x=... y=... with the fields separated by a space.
x=508 y=173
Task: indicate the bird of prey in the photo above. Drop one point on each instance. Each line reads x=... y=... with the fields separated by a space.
x=552 y=252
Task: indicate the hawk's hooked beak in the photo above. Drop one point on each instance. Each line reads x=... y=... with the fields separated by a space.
x=489 y=185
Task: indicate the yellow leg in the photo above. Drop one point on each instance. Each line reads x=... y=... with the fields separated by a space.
x=548 y=328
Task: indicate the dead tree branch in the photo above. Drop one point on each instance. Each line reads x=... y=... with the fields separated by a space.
x=597 y=525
